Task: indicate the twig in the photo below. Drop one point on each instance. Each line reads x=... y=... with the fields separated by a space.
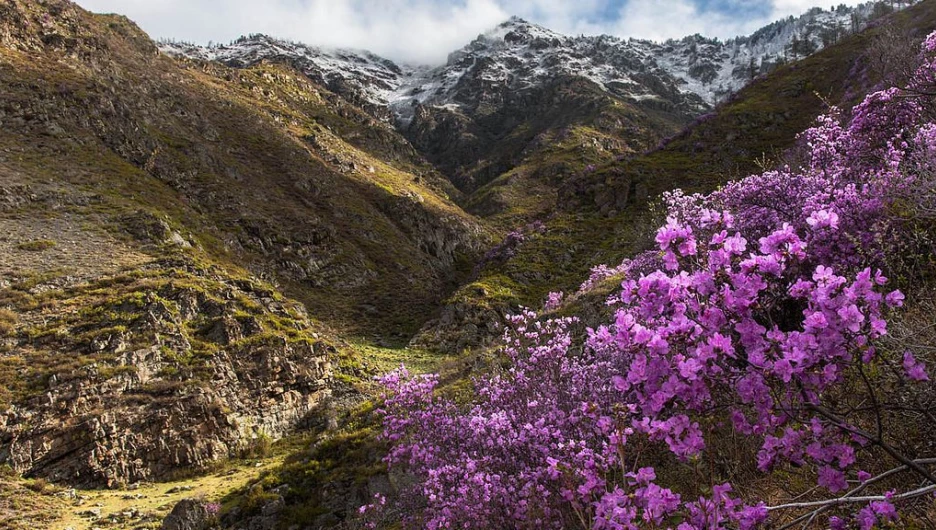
x=874 y=402
x=854 y=491
x=876 y=441
x=851 y=500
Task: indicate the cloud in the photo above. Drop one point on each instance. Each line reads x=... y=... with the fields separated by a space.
x=409 y=30
x=425 y=31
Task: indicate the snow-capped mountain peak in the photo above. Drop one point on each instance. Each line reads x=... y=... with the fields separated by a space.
x=690 y=74
x=358 y=75
x=516 y=30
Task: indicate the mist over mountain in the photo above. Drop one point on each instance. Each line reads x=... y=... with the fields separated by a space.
x=523 y=55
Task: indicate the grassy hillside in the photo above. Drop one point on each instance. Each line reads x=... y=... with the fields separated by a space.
x=258 y=167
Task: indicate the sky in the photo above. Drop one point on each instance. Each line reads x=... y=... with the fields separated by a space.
x=425 y=31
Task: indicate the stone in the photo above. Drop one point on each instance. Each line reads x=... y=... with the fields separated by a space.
x=188 y=514
x=176 y=239
x=273 y=507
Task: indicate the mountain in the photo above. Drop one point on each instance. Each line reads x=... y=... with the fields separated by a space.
x=199 y=142
x=693 y=72
x=486 y=114
x=185 y=249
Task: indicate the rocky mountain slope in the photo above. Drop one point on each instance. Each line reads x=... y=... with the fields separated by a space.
x=181 y=242
x=260 y=166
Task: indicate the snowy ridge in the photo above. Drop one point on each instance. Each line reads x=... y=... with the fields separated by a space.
x=714 y=69
x=519 y=55
x=690 y=74
x=372 y=79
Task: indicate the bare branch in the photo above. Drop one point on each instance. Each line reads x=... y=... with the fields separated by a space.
x=854 y=491
x=853 y=500
x=891 y=450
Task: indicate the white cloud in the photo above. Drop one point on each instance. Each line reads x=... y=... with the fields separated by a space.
x=663 y=19
x=425 y=31
x=410 y=30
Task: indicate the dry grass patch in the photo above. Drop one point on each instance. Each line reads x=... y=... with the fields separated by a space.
x=8 y=320
x=37 y=245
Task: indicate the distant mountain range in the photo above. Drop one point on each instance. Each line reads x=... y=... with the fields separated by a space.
x=693 y=73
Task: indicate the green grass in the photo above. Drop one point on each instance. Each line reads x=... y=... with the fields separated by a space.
x=379 y=360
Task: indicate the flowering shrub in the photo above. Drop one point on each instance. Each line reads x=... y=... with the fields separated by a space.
x=553 y=301
x=507 y=248
x=765 y=318
x=601 y=273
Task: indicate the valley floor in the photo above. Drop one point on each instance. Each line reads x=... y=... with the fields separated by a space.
x=32 y=504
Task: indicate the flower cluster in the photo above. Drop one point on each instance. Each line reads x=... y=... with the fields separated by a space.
x=553 y=301
x=601 y=273
x=508 y=247
x=764 y=311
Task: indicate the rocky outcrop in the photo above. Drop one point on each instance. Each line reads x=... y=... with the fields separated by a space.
x=148 y=228
x=461 y=327
x=162 y=375
x=188 y=514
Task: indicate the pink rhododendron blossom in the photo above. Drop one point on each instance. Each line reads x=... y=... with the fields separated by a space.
x=760 y=303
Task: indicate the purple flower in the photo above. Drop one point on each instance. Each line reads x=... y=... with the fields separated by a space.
x=823 y=219
x=708 y=329
x=832 y=479
x=915 y=370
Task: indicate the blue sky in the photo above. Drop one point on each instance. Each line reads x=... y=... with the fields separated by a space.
x=425 y=31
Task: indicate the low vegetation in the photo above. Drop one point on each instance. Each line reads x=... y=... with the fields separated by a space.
x=36 y=246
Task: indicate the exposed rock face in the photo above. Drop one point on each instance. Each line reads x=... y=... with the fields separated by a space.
x=462 y=326
x=173 y=375
x=90 y=434
x=188 y=514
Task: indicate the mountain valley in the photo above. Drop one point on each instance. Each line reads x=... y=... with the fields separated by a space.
x=207 y=253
